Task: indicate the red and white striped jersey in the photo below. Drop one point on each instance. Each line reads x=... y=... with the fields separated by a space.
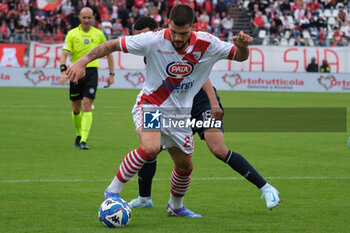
x=173 y=78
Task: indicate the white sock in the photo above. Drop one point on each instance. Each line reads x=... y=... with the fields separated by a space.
x=176 y=202
x=116 y=186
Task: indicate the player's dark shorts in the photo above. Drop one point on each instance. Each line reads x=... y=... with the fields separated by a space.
x=201 y=111
x=86 y=86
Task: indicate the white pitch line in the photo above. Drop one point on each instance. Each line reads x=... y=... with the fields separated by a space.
x=198 y=178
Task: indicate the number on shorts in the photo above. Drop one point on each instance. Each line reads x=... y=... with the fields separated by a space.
x=206 y=115
x=188 y=142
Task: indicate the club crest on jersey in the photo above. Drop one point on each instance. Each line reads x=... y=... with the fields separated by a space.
x=197 y=55
x=179 y=69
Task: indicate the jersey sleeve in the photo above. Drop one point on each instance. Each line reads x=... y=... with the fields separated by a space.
x=68 y=45
x=138 y=44
x=223 y=50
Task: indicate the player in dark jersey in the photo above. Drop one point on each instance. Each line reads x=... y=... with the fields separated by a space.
x=206 y=104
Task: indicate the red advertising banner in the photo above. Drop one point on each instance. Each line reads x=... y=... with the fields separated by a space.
x=12 y=55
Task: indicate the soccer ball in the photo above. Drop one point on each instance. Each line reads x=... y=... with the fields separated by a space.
x=114 y=212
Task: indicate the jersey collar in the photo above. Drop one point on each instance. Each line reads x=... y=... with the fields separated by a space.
x=80 y=28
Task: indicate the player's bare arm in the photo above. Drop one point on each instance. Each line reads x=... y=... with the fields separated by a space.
x=77 y=70
x=63 y=59
x=103 y=50
x=242 y=41
x=216 y=111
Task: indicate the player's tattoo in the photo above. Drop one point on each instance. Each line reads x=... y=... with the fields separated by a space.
x=106 y=49
x=95 y=53
x=101 y=51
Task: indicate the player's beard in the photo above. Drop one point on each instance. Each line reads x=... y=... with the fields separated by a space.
x=179 y=45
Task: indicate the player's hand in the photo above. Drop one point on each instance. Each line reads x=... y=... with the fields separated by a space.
x=76 y=72
x=216 y=112
x=242 y=40
x=63 y=78
x=110 y=80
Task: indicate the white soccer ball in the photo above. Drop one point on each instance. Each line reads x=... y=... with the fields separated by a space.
x=114 y=212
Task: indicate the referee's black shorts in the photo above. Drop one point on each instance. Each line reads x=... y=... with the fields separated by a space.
x=86 y=86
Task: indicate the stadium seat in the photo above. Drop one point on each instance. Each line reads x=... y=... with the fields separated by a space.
x=287 y=34
x=330 y=35
x=281 y=17
x=284 y=42
x=320 y=13
x=313 y=32
x=245 y=4
x=265 y=18
x=266 y=21
x=327 y=13
x=262 y=34
x=311 y=41
x=343 y=29
x=306 y=34
x=335 y=13
x=291 y=41
x=331 y=21
x=329 y=28
x=290 y=20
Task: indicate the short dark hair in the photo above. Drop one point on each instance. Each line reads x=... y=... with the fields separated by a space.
x=145 y=22
x=181 y=15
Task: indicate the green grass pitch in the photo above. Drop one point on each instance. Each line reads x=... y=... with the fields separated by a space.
x=47 y=186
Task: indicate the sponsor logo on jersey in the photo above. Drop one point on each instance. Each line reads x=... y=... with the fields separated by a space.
x=165 y=52
x=179 y=69
x=86 y=41
x=177 y=86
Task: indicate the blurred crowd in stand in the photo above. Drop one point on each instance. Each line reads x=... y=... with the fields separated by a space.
x=300 y=23
x=279 y=22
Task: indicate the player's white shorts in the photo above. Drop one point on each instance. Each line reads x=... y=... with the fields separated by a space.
x=181 y=138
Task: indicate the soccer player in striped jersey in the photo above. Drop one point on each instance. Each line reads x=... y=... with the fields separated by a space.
x=204 y=106
x=179 y=63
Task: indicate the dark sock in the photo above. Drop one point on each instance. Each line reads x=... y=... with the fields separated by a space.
x=145 y=177
x=243 y=167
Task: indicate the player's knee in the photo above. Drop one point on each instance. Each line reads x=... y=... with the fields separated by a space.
x=152 y=149
x=185 y=170
x=219 y=151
